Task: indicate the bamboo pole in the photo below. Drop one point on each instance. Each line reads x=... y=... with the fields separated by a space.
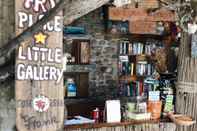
x=187 y=72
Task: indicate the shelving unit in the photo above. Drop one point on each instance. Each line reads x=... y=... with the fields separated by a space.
x=135 y=65
x=80 y=52
x=77 y=53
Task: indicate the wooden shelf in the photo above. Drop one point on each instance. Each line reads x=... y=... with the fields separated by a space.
x=127 y=78
x=132 y=78
x=76 y=100
x=125 y=99
x=76 y=37
x=149 y=58
x=79 y=64
x=133 y=54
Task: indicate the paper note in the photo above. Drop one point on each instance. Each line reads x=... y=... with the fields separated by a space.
x=113 y=111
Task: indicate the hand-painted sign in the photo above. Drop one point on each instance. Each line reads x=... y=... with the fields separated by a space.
x=39 y=85
x=41 y=103
x=42 y=54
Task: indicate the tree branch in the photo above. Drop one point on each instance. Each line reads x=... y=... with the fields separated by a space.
x=73 y=10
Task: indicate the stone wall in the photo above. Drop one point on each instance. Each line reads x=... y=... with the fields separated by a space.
x=103 y=79
x=103 y=62
x=93 y=23
x=7 y=104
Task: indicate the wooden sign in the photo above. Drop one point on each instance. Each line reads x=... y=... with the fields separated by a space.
x=39 y=85
x=140 y=14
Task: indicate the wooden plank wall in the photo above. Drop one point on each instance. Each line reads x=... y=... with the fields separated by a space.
x=140 y=21
x=27 y=89
x=144 y=127
x=140 y=14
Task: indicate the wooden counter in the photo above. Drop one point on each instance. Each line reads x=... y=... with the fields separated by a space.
x=151 y=125
x=76 y=106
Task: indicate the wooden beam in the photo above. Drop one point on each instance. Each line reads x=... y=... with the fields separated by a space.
x=73 y=11
x=80 y=8
x=139 y=14
x=131 y=14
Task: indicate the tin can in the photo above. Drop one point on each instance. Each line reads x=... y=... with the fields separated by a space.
x=95 y=115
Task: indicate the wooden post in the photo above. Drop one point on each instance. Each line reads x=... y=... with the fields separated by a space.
x=187 y=80
x=39 y=85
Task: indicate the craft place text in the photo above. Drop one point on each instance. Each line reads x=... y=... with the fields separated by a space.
x=39 y=7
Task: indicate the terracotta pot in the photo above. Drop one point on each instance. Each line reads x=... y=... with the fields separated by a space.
x=154 y=107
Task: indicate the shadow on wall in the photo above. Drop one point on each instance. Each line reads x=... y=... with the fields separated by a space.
x=7 y=102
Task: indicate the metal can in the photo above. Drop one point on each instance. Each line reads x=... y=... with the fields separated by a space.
x=95 y=114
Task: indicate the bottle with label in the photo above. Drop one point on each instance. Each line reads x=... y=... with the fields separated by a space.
x=71 y=88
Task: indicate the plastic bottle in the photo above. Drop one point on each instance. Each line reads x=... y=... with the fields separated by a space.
x=71 y=88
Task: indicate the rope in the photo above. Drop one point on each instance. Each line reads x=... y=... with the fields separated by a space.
x=186 y=87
